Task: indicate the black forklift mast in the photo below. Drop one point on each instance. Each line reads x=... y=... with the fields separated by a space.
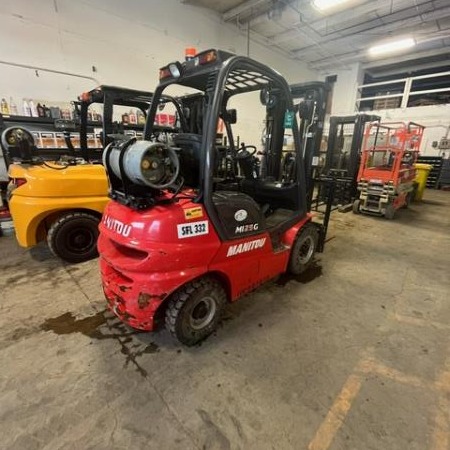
x=335 y=143
x=345 y=170
x=312 y=110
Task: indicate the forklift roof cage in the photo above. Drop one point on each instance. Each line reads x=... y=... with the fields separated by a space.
x=219 y=75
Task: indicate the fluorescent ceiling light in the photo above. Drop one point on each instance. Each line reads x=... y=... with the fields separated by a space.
x=391 y=47
x=327 y=4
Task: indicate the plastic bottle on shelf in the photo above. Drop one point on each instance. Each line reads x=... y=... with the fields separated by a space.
x=47 y=112
x=26 y=108
x=12 y=107
x=40 y=110
x=140 y=117
x=66 y=114
x=33 y=109
x=4 y=107
x=132 y=117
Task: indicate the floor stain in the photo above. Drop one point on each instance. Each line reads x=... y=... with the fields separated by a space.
x=88 y=326
x=313 y=272
x=68 y=324
x=150 y=348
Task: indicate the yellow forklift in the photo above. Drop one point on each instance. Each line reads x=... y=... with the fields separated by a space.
x=57 y=194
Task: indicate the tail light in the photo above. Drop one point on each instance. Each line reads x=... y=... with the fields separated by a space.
x=173 y=70
x=13 y=185
x=85 y=97
x=207 y=57
x=19 y=181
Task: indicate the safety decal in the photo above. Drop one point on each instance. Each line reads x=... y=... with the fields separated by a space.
x=193 y=213
x=245 y=247
x=192 y=229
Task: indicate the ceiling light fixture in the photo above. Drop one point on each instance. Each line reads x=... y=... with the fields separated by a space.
x=392 y=47
x=327 y=4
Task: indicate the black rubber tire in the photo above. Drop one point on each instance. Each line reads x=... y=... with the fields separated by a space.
x=355 y=207
x=73 y=237
x=180 y=312
x=389 y=212
x=408 y=199
x=306 y=240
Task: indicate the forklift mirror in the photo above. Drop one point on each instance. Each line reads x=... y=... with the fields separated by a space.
x=305 y=109
x=230 y=116
x=267 y=98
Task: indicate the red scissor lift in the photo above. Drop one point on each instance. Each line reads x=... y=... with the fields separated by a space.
x=386 y=173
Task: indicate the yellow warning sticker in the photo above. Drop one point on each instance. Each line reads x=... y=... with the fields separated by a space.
x=193 y=213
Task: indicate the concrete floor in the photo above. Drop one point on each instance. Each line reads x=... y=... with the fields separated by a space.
x=353 y=356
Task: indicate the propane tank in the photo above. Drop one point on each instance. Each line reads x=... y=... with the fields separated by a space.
x=139 y=162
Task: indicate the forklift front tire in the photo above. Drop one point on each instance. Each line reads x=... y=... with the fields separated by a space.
x=304 y=249
x=73 y=237
x=194 y=311
x=408 y=199
x=389 y=212
x=356 y=205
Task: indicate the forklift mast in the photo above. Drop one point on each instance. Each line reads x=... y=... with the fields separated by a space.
x=333 y=159
x=343 y=166
x=311 y=108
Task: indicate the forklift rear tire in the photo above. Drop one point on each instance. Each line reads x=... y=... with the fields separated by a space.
x=73 y=237
x=355 y=207
x=389 y=212
x=304 y=249
x=194 y=311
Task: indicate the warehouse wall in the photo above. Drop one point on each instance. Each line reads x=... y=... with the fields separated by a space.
x=345 y=89
x=126 y=42
x=435 y=118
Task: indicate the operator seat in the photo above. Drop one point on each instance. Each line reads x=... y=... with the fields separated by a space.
x=274 y=193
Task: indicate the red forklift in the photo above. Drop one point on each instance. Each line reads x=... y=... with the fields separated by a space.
x=184 y=233
x=386 y=173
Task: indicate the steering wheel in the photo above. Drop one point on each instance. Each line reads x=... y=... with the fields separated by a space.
x=19 y=139
x=244 y=152
x=159 y=166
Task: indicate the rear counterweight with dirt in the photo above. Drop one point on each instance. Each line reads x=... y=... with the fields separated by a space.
x=73 y=237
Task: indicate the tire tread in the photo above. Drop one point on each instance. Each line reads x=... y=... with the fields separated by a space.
x=179 y=298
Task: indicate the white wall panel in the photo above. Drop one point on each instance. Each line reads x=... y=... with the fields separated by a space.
x=127 y=42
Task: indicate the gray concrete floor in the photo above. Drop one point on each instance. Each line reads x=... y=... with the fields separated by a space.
x=353 y=356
